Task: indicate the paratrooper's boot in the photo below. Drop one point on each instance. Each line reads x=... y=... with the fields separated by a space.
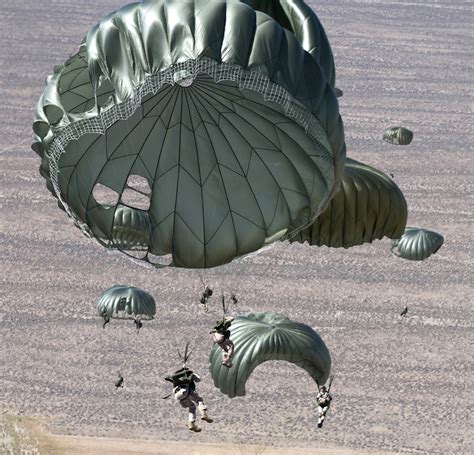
x=193 y=427
x=205 y=417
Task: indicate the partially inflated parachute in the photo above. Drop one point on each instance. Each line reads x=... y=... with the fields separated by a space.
x=261 y=337
x=367 y=206
x=126 y=302
x=417 y=244
x=201 y=138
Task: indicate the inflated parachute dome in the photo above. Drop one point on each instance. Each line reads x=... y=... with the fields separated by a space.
x=126 y=302
x=367 y=206
x=259 y=337
x=398 y=135
x=188 y=133
x=417 y=244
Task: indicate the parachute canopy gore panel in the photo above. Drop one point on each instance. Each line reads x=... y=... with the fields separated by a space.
x=305 y=135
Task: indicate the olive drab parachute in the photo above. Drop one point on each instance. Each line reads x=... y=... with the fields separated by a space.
x=417 y=244
x=367 y=206
x=194 y=141
x=126 y=302
x=259 y=337
x=300 y=19
x=397 y=135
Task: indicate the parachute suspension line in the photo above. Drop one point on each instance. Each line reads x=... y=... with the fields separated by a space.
x=200 y=278
x=220 y=282
x=204 y=286
x=235 y=277
x=336 y=368
x=186 y=355
x=225 y=308
x=331 y=377
x=250 y=287
x=393 y=249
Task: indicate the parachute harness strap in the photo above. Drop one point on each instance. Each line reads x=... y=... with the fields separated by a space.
x=68 y=131
x=225 y=307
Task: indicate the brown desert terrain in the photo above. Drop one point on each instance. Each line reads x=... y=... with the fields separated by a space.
x=400 y=387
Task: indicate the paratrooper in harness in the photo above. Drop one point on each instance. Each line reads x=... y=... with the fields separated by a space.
x=138 y=324
x=105 y=318
x=184 y=390
x=323 y=400
x=207 y=293
x=221 y=334
x=119 y=381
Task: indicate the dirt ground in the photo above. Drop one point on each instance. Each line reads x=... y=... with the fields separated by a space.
x=26 y=436
x=399 y=387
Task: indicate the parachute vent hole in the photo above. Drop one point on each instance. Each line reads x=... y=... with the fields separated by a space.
x=135 y=199
x=138 y=183
x=105 y=195
x=184 y=78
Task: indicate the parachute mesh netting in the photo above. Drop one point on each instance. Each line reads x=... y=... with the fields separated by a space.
x=231 y=156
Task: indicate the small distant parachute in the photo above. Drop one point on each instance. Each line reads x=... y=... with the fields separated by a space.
x=338 y=92
x=397 y=135
x=367 y=206
x=259 y=337
x=417 y=244
x=126 y=302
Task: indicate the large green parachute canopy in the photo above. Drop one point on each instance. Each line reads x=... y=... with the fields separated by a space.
x=367 y=206
x=126 y=302
x=188 y=133
x=259 y=337
x=417 y=244
x=397 y=135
